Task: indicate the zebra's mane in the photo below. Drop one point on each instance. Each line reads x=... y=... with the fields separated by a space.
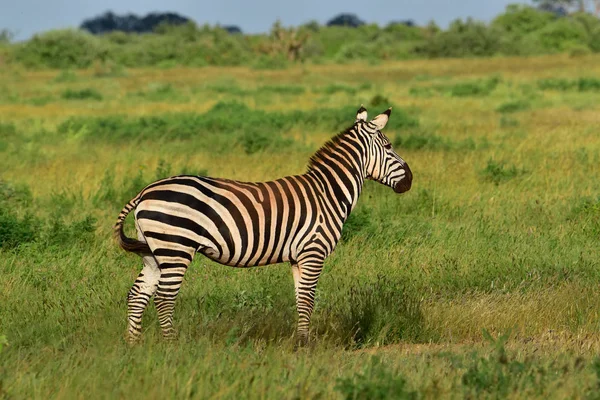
x=318 y=157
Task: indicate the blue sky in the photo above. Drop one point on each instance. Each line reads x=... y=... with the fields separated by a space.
x=26 y=17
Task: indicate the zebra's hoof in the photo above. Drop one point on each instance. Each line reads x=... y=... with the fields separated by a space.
x=301 y=342
x=132 y=340
x=170 y=336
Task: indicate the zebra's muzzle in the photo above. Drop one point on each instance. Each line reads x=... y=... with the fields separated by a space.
x=406 y=182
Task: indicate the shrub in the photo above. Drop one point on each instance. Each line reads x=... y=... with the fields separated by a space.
x=556 y=84
x=380 y=101
x=481 y=87
x=469 y=38
x=562 y=34
x=57 y=232
x=161 y=92
x=519 y=20
x=582 y=84
x=499 y=376
x=499 y=172
x=83 y=94
x=257 y=141
x=7 y=130
x=424 y=141
x=13 y=196
x=374 y=383
x=337 y=88
x=513 y=106
x=579 y=50
x=357 y=51
x=282 y=89
x=475 y=88
x=419 y=142
x=588 y=84
x=15 y=230
x=61 y=49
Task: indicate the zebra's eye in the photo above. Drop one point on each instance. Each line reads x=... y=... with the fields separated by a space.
x=387 y=146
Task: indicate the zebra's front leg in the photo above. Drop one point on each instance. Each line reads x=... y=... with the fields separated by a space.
x=139 y=296
x=306 y=275
x=169 y=283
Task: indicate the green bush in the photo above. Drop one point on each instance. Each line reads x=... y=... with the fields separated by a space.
x=513 y=106
x=257 y=141
x=520 y=19
x=374 y=383
x=499 y=172
x=425 y=141
x=15 y=230
x=160 y=92
x=357 y=51
x=83 y=94
x=282 y=89
x=561 y=35
x=556 y=84
x=588 y=84
x=61 y=49
x=583 y=84
x=499 y=376
x=338 y=88
x=419 y=142
x=475 y=88
x=462 y=39
x=481 y=87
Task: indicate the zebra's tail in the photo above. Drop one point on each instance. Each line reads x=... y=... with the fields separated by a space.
x=129 y=244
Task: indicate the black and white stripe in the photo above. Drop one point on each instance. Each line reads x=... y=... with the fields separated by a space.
x=296 y=219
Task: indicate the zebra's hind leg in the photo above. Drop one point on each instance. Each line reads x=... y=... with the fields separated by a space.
x=172 y=264
x=139 y=296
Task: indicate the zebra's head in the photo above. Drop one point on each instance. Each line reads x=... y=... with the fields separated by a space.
x=382 y=163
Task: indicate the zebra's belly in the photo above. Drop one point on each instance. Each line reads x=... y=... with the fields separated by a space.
x=225 y=259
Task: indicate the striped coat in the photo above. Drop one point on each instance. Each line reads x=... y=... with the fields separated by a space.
x=296 y=219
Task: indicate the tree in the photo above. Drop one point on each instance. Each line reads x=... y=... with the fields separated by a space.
x=109 y=22
x=350 y=20
x=562 y=7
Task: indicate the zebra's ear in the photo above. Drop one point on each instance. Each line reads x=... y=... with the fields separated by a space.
x=361 y=114
x=382 y=119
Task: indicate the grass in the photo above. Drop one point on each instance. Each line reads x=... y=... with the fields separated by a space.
x=480 y=282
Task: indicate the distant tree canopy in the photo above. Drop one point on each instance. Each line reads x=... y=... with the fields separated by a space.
x=130 y=23
x=405 y=22
x=350 y=20
x=232 y=28
x=563 y=7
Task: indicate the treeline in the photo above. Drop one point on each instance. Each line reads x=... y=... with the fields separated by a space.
x=520 y=30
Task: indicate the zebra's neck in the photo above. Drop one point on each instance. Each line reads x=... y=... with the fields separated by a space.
x=339 y=168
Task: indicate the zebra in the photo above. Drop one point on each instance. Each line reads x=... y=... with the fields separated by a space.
x=296 y=219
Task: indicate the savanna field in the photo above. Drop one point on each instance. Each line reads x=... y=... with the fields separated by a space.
x=480 y=282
